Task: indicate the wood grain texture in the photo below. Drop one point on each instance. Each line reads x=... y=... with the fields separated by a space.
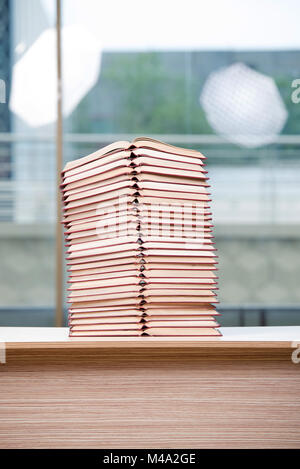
x=145 y=343
x=150 y=398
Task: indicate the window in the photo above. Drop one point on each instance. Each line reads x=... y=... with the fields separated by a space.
x=130 y=71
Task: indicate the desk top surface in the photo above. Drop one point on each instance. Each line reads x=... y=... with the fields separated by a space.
x=233 y=337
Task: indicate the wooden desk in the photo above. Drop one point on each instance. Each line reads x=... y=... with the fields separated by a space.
x=240 y=391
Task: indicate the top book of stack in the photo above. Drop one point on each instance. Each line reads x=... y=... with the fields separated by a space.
x=139 y=242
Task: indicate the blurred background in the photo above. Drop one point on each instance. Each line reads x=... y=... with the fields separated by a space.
x=218 y=76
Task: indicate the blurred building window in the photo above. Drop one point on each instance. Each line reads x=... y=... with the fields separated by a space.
x=119 y=81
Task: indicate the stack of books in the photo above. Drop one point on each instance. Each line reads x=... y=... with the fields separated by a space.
x=140 y=251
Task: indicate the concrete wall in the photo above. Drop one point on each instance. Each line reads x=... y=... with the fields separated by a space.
x=254 y=269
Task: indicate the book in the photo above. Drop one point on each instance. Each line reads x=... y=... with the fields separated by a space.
x=139 y=242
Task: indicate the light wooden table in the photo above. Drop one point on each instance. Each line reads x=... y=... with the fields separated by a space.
x=240 y=391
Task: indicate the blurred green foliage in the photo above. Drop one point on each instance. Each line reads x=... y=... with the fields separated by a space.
x=293 y=122
x=144 y=97
x=155 y=92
